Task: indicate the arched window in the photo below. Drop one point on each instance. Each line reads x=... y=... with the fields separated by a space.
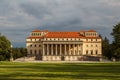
x=96 y=45
x=35 y=51
x=91 y=39
x=86 y=45
x=39 y=51
x=39 y=45
x=96 y=52
x=91 y=45
x=35 y=45
x=91 y=52
x=31 y=52
x=86 y=39
x=86 y=52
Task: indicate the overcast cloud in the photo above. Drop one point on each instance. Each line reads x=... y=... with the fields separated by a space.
x=19 y=17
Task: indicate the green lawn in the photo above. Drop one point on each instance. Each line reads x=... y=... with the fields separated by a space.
x=59 y=71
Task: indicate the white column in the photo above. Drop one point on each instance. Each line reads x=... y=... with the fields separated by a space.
x=56 y=49
x=60 y=49
x=43 y=50
x=69 y=50
x=47 y=49
x=51 y=49
x=73 y=49
x=65 y=48
x=78 y=49
x=81 y=49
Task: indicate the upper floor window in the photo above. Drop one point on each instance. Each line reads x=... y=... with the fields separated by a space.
x=91 y=45
x=86 y=45
x=91 y=39
x=96 y=45
x=96 y=39
x=86 y=39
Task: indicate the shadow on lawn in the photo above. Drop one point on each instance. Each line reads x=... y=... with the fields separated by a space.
x=62 y=70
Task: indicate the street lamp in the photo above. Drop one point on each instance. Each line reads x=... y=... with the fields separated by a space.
x=11 y=56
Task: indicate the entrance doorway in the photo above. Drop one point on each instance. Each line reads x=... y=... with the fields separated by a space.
x=38 y=56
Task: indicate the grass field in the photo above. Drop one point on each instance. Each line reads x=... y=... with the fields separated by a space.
x=59 y=71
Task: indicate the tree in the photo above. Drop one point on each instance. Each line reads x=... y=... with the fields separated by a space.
x=116 y=35
x=106 y=48
x=117 y=53
x=4 y=48
x=116 y=43
x=19 y=52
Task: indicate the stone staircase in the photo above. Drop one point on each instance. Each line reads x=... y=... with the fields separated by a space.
x=25 y=59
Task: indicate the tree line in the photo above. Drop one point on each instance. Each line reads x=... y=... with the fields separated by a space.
x=6 y=51
x=112 y=50
x=109 y=50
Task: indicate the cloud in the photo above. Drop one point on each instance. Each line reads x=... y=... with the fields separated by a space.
x=19 y=17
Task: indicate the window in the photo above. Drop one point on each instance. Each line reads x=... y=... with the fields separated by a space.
x=96 y=45
x=87 y=52
x=30 y=51
x=96 y=39
x=39 y=51
x=39 y=45
x=91 y=45
x=91 y=52
x=75 y=45
x=91 y=39
x=96 y=52
x=86 y=39
x=35 y=51
x=31 y=45
x=35 y=45
x=79 y=52
x=86 y=45
x=75 y=52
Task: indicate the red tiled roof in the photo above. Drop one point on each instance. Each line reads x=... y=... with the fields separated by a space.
x=63 y=35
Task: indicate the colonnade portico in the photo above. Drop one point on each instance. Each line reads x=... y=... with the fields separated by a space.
x=57 y=51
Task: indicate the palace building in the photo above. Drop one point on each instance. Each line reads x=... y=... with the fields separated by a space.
x=64 y=46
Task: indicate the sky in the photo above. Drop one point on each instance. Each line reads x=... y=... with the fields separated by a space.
x=19 y=17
